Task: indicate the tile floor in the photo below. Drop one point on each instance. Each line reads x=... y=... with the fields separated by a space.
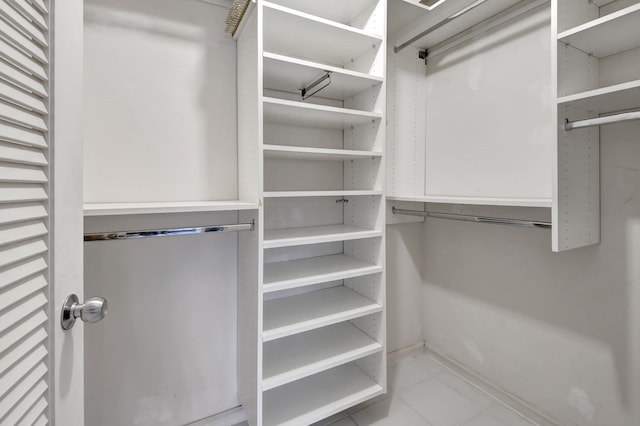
x=423 y=392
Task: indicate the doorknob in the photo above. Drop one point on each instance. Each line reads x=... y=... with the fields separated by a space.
x=93 y=310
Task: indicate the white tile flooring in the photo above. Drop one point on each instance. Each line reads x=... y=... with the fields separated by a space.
x=423 y=392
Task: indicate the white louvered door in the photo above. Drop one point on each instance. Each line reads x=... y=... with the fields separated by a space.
x=32 y=348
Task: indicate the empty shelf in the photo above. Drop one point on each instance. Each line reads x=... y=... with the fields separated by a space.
x=485 y=201
x=304 y=153
x=291 y=74
x=295 y=314
x=607 y=99
x=606 y=36
x=314 y=270
x=326 y=40
x=316 y=397
x=315 y=234
x=113 y=209
x=336 y=193
x=340 y=11
x=302 y=355
x=294 y=113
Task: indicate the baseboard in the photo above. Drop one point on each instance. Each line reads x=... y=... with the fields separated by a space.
x=492 y=389
x=418 y=348
x=226 y=418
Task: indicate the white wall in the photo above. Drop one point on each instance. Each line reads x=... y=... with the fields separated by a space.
x=560 y=331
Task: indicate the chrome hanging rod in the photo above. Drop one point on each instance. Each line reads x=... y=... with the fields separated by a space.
x=479 y=219
x=130 y=235
x=440 y=24
x=610 y=119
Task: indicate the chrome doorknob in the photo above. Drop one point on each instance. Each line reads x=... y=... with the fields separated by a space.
x=93 y=310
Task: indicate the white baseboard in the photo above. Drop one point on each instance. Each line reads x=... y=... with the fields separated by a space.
x=226 y=418
x=494 y=390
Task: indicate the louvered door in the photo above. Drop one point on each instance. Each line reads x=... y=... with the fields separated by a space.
x=24 y=219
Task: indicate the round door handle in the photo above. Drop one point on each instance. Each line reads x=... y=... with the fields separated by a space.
x=93 y=310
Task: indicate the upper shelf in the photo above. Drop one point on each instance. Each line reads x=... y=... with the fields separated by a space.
x=486 y=201
x=289 y=74
x=606 y=36
x=114 y=209
x=293 y=33
x=614 y=98
x=293 y=113
x=341 y=11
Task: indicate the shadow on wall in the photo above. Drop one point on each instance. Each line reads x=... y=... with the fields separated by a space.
x=593 y=292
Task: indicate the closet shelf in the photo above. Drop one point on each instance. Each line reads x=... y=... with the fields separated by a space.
x=335 y=193
x=303 y=153
x=114 y=209
x=606 y=36
x=340 y=11
x=295 y=357
x=319 y=396
x=614 y=98
x=516 y=202
x=314 y=270
x=289 y=74
x=327 y=40
x=294 y=113
x=289 y=237
x=290 y=315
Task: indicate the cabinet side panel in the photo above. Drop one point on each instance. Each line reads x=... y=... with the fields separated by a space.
x=406 y=94
x=249 y=112
x=576 y=204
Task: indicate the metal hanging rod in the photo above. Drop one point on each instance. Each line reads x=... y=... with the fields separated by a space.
x=316 y=86
x=479 y=219
x=130 y=235
x=440 y=24
x=610 y=119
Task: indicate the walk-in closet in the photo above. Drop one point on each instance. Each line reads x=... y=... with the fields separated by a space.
x=337 y=212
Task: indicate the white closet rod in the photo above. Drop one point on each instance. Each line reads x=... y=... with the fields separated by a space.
x=479 y=219
x=129 y=235
x=610 y=119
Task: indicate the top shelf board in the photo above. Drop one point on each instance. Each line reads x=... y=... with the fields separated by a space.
x=293 y=33
x=410 y=19
x=116 y=209
x=606 y=36
x=293 y=113
x=484 y=201
x=340 y=11
x=289 y=74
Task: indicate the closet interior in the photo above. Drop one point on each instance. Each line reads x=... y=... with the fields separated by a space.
x=303 y=136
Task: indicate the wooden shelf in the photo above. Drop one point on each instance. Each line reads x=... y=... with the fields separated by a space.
x=340 y=11
x=114 y=209
x=293 y=33
x=515 y=202
x=319 y=396
x=314 y=270
x=336 y=193
x=606 y=36
x=289 y=237
x=303 y=153
x=294 y=113
x=619 y=97
x=295 y=314
x=289 y=74
x=295 y=357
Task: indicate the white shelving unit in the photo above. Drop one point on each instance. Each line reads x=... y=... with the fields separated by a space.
x=114 y=209
x=311 y=329
x=588 y=37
